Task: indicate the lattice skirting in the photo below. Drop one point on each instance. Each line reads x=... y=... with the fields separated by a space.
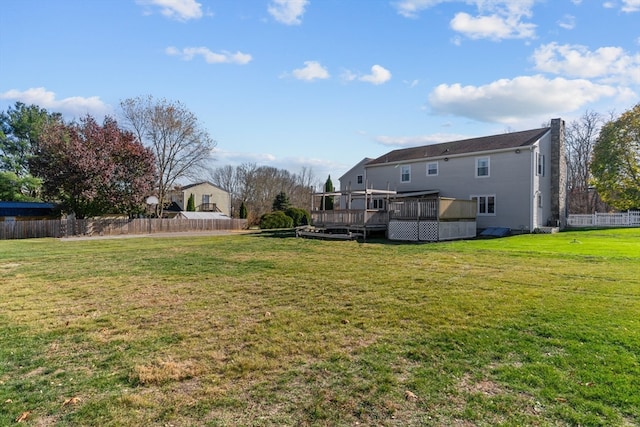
x=430 y=231
x=425 y=231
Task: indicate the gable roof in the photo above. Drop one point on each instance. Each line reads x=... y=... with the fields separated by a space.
x=465 y=146
x=195 y=184
x=358 y=166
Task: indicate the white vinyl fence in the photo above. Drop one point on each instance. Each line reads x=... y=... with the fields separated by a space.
x=620 y=219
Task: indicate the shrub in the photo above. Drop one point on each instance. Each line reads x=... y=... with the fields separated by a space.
x=299 y=216
x=276 y=219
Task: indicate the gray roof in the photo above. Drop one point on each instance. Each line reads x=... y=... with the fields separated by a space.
x=465 y=146
x=202 y=215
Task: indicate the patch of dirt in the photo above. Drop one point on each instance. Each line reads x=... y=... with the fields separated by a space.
x=486 y=387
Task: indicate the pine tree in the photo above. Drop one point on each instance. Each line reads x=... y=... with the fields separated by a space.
x=191 y=203
x=243 y=211
x=328 y=200
x=281 y=202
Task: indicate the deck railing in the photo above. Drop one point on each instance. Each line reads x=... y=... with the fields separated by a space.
x=433 y=209
x=441 y=209
x=350 y=218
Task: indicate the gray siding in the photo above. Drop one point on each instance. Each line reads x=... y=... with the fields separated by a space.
x=512 y=180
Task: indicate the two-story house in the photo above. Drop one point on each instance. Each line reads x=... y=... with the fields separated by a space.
x=207 y=197
x=517 y=179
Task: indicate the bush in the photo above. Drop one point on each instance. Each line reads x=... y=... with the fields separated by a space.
x=276 y=219
x=299 y=216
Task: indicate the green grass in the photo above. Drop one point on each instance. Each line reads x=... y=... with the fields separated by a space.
x=264 y=331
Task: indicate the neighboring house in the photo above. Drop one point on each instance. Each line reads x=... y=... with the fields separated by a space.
x=517 y=179
x=208 y=198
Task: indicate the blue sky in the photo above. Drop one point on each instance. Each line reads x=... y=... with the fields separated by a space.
x=324 y=83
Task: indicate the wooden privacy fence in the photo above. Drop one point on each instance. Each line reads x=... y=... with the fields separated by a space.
x=620 y=219
x=111 y=227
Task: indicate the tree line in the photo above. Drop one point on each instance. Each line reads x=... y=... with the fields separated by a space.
x=93 y=169
x=254 y=188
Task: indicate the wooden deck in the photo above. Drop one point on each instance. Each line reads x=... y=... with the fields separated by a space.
x=346 y=223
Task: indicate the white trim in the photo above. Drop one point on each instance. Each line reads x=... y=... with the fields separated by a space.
x=437 y=168
x=484 y=196
x=402 y=169
x=476 y=166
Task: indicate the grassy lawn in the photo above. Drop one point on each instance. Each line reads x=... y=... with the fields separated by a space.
x=255 y=330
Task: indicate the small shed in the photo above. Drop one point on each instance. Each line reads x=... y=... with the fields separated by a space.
x=26 y=211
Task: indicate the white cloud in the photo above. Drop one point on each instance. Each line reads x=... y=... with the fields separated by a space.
x=631 y=5
x=608 y=5
x=496 y=19
x=312 y=70
x=237 y=158
x=224 y=57
x=416 y=141
x=288 y=12
x=75 y=106
x=378 y=76
x=568 y=22
x=493 y=27
x=610 y=64
x=510 y=100
x=180 y=10
x=411 y=8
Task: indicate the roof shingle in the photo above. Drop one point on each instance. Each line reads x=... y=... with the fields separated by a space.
x=465 y=146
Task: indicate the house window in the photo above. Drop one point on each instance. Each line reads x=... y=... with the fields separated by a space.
x=377 y=204
x=405 y=174
x=540 y=164
x=205 y=199
x=359 y=179
x=486 y=205
x=432 y=169
x=482 y=167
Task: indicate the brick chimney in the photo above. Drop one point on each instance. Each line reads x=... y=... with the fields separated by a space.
x=558 y=174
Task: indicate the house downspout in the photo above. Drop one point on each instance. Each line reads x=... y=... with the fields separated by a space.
x=532 y=215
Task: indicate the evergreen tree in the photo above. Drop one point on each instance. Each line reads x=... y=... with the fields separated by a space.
x=328 y=200
x=191 y=203
x=243 y=211
x=281 y=202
